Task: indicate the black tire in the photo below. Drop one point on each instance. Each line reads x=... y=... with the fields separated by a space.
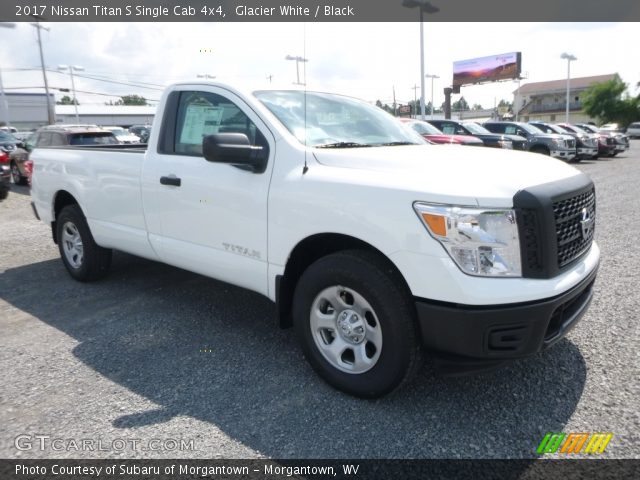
x=16 y=176
x=94 y=262
x=372 y=278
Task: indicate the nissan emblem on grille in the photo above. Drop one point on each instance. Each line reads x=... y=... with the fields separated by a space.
x=586 y=223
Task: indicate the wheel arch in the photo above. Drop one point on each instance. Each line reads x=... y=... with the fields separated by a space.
x=61 y=199
x=308 y=251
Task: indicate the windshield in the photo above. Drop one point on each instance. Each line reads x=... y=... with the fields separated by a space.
x=579 y=130
x=588 y=128
x=7 y=137
x=424 y=128
x=553 y=128
x=475 y=128
x=530 y=129
x=334 y=120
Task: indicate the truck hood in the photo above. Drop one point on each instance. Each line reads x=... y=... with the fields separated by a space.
x=448 y=173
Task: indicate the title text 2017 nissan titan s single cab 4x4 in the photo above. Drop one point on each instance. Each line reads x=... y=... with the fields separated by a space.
x=373 y=244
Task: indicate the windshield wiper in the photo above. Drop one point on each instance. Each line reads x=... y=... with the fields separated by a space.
x=393 y=144
x=343 y=145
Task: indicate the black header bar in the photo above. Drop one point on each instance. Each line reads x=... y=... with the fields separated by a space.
x=320 y=10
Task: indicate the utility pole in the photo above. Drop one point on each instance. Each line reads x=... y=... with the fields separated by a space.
x=38 y=27
x=270 y=77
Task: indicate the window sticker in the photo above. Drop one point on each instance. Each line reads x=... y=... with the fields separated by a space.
x=200 y=120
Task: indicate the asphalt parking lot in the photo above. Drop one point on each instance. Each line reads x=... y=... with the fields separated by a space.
x=156 y=353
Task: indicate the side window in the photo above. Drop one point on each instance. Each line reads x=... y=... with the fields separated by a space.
x=496 y=128
x=520 y=132
x=204 y=113
x=510 y=130
x=448 y=128
x=44 y=139
x=56 y=139
x=460 y=130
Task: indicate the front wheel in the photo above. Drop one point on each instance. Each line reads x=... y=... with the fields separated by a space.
x=356 y=323
x=84 y=259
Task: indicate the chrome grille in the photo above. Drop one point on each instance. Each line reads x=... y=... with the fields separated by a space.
x=571 y=143
x=574 y=231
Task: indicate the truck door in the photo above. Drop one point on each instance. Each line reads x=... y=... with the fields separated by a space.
x=208 y=217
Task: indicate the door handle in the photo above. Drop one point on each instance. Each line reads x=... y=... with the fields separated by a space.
x=175 y=181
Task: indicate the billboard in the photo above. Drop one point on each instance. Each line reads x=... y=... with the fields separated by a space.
x=486 y=69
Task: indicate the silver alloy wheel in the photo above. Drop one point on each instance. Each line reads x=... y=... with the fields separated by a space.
x=346 y=329
x=72 y=245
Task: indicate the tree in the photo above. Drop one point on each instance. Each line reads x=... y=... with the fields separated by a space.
x=477 y=106
x=67 y=100
x=129 y=100
x=460 y=105
x=505 y=103
x=609 y=102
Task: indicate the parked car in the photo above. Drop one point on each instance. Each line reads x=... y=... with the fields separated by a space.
x=612 y=127
x=55 y=135
x=586 y=145
x=496 y=140
x=4 y=181
x=122 y=135
x=619 y=141
x=606 y=143
x=537 y=141
x=434 y=135
x=633 y=130
x=372 y=243
x=142 y=131
x=8 y=144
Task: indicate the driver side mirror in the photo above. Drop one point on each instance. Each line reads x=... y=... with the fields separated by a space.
x=234 y=149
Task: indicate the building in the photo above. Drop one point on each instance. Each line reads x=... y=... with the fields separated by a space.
x=546 y=101
x=121 y=115
x=27 y=111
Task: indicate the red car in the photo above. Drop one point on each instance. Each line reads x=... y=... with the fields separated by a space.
x=434 y=135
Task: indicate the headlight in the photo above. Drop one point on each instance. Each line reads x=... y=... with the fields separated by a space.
x=505 y=144
x=559 y=142
x=482 y=242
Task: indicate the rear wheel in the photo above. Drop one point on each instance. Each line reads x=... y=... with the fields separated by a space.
x=83 y=258
x=356 y=323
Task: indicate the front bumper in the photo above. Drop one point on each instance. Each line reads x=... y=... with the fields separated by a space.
x=474 y=337
x=622 y=147
x=563 y=154
x=587 y=152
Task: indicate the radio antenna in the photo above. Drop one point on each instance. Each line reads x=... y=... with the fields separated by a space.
x=305 y=169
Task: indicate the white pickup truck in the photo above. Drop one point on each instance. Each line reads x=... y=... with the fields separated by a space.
x=372 y=243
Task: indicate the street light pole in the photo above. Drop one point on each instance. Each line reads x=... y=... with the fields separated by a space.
x=71 y=68
x=5 y=105
x=568 y=57
x=298 y=59
x=425 y=7
x=432 y=77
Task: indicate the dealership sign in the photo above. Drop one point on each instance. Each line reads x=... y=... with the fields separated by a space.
x=487 y=69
